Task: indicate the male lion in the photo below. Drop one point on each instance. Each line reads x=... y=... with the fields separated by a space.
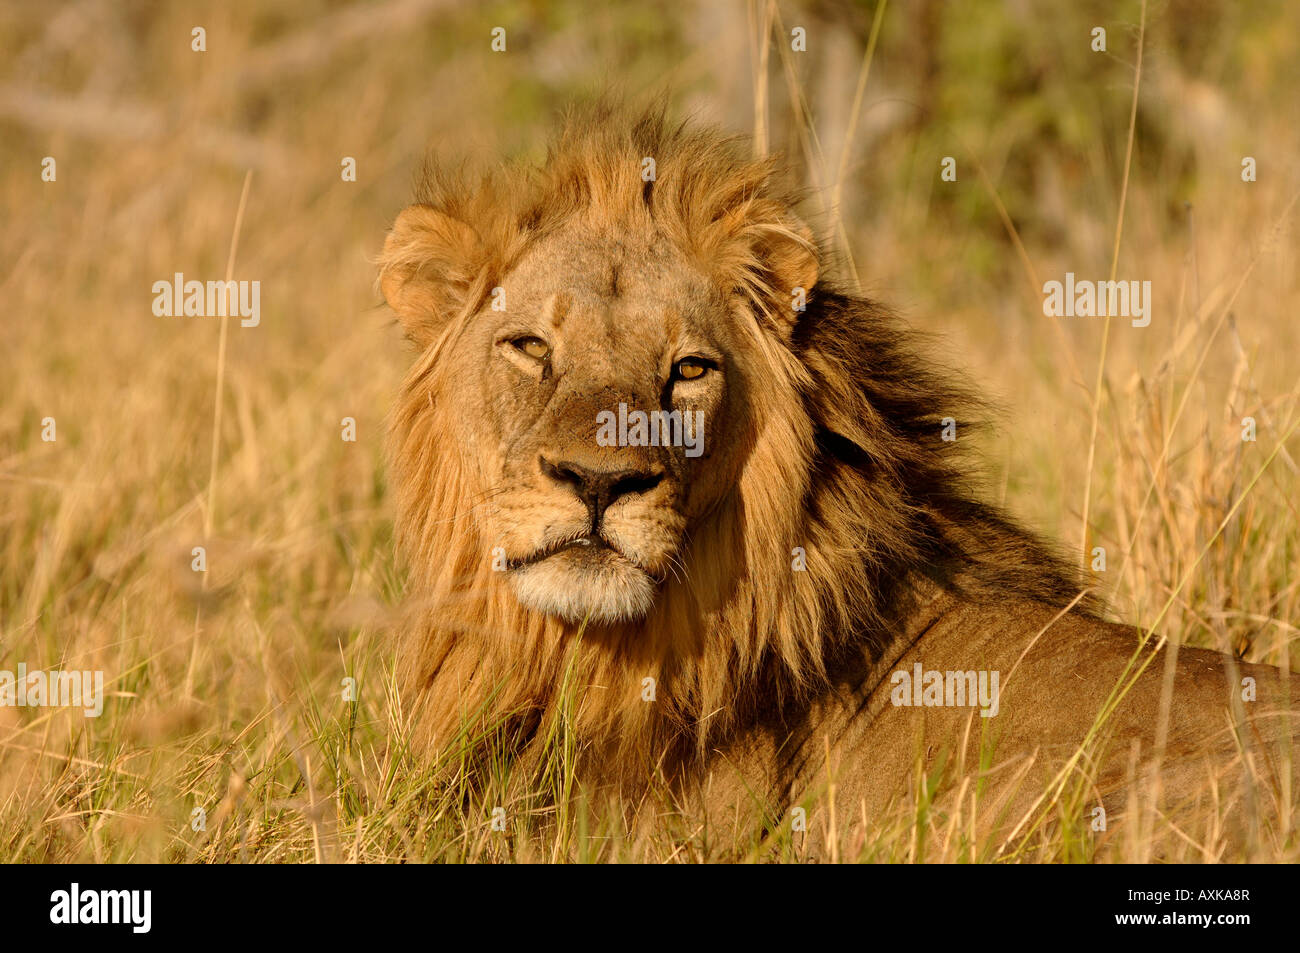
x=747 y=590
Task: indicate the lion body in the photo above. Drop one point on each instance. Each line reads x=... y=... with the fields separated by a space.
x=1221 y=772
x=730 y=623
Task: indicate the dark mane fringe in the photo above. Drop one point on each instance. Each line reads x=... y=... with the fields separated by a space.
x=879 y=407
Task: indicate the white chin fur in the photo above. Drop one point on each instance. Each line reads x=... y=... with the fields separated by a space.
x=618 y=592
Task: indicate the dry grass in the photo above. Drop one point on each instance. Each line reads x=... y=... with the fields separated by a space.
x=225 y=687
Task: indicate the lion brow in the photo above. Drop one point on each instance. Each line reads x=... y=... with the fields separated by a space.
x=557 y=308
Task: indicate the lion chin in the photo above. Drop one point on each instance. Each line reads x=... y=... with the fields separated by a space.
x=599 y=586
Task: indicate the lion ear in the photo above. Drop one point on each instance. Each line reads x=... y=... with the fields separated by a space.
x=429 y=264
x=789 y=254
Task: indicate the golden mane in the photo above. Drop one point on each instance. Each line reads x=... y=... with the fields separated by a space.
x=848 y=466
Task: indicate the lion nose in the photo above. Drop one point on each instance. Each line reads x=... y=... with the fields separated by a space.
x=599 y=488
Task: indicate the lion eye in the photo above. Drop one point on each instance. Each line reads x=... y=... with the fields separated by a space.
x=534 y=347
x=688 y=369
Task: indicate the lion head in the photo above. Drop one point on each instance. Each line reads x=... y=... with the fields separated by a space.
x=645 y=452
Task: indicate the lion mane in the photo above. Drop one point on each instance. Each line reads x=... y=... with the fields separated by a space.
x=848 y=472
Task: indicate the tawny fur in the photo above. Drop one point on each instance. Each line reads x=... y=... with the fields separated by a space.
x=850 y=466
x=771 y=686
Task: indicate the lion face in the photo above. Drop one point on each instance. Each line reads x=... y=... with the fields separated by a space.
x=607 y=385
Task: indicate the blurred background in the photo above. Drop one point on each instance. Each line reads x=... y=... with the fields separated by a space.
x=224 y=685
